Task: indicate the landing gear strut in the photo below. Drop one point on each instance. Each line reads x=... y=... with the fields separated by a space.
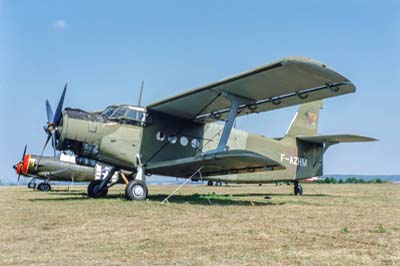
x=32 y=183
x=298 y=190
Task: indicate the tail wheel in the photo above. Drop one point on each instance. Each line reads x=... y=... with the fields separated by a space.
x=94 y=191
x=136 y=190
x=298 y=190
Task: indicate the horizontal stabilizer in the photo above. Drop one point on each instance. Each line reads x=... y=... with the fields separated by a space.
x=227 y=162
x=335 y=138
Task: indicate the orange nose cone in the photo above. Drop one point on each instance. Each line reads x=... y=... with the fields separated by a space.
x=18 y=169
x=25 y=165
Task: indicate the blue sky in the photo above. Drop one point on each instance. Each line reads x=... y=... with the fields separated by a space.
x=103 y=49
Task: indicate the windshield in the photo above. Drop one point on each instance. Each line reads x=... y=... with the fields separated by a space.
x=109 y=110
x=126 y=114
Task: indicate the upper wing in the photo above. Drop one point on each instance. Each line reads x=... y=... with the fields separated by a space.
x=227 y=162
x=335 y=138
x=291 y=81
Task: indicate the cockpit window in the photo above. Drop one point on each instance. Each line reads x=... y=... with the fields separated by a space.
x=135 y=115
x=119 y=112
x=109 y=110
x=129 y=115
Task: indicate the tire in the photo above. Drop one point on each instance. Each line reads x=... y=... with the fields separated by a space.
x=32 y=185
x=93 y=192
x=45 y=187
x=40 y=187
x=136 y=190
x=210 y=183
x=298 y=190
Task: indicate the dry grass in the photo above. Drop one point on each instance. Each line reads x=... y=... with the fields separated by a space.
x=330 y=225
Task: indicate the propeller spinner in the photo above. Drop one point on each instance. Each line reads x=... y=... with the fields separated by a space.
x=53 y=121
x=18 y=167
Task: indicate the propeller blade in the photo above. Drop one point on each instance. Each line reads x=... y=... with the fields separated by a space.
x=53 y=142
x=50 y=114
x=58 y=113
x=41 y=154
x=23 y=155
x=19 y=176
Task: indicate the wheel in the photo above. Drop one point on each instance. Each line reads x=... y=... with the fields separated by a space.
x=32 y=185
x=298 y=190
x=40 y=186
x=93 y=189
x=136 y=190
x=45 y=187
x=218 y=184
x=210 y=183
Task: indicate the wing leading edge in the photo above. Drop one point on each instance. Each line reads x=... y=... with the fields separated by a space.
x=291 y=81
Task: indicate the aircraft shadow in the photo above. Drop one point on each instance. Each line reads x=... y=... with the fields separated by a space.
x=214 y=199
x=195 y=199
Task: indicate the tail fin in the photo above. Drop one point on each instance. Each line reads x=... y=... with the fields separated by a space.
x=305 y=121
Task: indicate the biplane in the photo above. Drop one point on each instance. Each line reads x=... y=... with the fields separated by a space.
x=192 y=135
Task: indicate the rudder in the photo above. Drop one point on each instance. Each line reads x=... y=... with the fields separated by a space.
x=305 y=121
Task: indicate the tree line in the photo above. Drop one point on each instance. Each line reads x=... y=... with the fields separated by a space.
x=349 y=180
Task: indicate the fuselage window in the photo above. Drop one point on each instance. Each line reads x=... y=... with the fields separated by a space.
x=195 y=143
x=184 y=141
x=172 y=139
x=160 y=136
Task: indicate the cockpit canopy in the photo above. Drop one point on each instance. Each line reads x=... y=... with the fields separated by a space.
x=127 y=114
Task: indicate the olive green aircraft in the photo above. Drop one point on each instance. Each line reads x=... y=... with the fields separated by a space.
x=191 y=135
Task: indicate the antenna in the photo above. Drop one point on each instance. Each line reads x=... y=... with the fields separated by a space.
x=140 y=95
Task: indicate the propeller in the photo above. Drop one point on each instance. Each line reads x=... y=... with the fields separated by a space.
x=19 y=164
x=53 y=121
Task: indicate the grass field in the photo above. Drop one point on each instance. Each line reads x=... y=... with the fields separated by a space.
x=329 y=225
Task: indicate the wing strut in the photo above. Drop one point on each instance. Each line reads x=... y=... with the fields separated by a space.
x=235 y=102
x=181 y=185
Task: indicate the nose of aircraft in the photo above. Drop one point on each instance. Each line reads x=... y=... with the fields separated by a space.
x=22 y=166
x=18 y=168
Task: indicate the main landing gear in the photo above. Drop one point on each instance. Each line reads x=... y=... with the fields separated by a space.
x=45 y=187
x=298 y=190
x=95 y=191
x=99 y=188
x=136 y=189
